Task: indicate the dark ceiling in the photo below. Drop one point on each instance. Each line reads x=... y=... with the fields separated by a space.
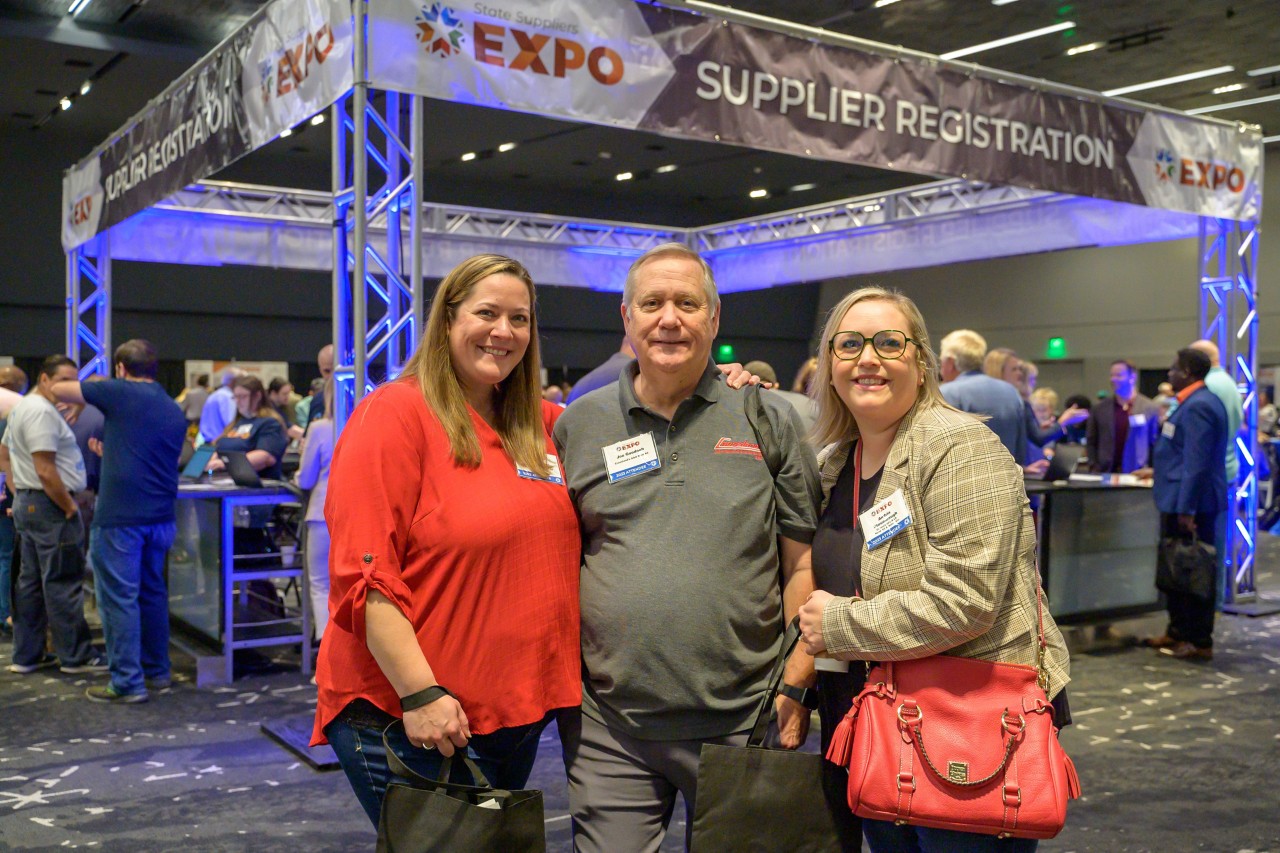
x=131 y=49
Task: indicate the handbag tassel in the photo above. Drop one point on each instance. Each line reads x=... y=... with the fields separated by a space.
x=841 y=749
x=1073 y=781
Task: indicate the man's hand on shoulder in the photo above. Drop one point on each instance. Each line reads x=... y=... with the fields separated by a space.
x=735 y=376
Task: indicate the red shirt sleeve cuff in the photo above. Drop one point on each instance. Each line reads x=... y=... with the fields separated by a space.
x=350 y=615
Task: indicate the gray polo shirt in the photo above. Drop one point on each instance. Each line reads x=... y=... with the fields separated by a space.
x=681 y=602
x=34 y=427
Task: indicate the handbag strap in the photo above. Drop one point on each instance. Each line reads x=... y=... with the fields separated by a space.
x=763 y=715
x=399 y=768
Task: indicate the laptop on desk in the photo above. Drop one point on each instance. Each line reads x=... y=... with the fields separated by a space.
x=1063 y=464
x=193 y=469
x=240 y=468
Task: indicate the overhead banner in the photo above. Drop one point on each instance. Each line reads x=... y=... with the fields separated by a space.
x=291 y=61
x=677 y=73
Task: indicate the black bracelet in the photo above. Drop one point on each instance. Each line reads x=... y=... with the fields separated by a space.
x=423 y=697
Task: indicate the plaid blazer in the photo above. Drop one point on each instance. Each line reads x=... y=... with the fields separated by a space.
x=962 y=577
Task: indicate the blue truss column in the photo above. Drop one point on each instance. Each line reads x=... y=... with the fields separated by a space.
x=1229 y=318
x=88 y=306
x=377 y=185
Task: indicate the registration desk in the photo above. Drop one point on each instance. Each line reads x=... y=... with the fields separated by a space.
x=212 y=601
x=1097 y=541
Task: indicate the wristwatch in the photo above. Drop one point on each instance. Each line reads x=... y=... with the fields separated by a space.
x=806 y=696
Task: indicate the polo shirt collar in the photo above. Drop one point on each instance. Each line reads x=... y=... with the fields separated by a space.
x=710 y=386
x=1189 y=390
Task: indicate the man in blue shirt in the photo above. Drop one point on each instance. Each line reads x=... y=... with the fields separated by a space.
x=966 y=387
x=220 y=409
x=134 y=525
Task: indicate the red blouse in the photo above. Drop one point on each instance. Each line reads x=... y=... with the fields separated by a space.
x=483 y=562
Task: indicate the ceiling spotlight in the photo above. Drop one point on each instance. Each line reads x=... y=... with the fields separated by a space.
x=625 y=176
x=505 y=147
x=988 y=45
x=799 y=188
x=662 y=170
x=468 y=157
x=288 y=131
x=1234 y=87
x=78 y=6
x=85 y=87
x=1169 y=81
x=316 y=119
x=1002 y=2
x=758 y=193
x=880 y=4
x=1084 y=48
x=65 y=103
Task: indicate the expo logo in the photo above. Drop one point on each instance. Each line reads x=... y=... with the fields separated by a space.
x=1201 y=174
x=534 y=53
x=81 y=210
x=449 y=40
x=286 y=74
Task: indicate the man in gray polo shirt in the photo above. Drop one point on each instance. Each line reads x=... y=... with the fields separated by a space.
x=45 y=469
x=684 y=529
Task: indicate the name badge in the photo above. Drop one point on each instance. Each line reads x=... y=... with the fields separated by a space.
x=554 y=477
x=1168 y=429
x=885 y=520
x=630 y=457
x=1138 y=420
x=242 y=431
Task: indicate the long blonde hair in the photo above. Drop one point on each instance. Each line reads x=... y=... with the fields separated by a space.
x=519 y=410
x=835 y=422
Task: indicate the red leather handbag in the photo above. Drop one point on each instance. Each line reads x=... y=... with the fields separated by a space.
x=957 y=743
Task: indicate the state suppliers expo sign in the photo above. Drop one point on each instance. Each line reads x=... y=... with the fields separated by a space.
x=681 y=74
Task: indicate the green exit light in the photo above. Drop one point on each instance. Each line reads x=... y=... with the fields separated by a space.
x=1056 y=348
x=724 y=353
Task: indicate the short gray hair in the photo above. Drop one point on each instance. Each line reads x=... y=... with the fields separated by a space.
x=966 y=347
x=679 y=250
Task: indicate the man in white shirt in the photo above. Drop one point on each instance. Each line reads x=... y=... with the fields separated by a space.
x=44 y=470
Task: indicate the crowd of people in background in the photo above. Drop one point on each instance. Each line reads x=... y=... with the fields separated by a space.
x=89 y=472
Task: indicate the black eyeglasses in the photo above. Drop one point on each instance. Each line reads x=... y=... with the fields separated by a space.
x=889 y=343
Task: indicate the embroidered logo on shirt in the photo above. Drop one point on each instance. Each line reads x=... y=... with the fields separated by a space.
x=741 y=448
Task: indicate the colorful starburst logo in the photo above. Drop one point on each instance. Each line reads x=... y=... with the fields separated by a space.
x=440 y=30
x=1165 y=167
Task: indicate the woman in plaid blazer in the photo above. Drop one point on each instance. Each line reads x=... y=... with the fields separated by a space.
x=950 y=567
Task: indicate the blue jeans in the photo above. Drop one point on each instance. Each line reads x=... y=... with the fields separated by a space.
x=8 y=539
x=506 y=757
x=887 y=837
x=128 y=570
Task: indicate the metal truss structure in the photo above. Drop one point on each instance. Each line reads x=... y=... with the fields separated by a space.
x=901 y=207
x=1229 y=318
x=377 y=175
x=88 y=317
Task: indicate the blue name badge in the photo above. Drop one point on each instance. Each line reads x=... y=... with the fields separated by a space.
x=554 y=477
x=885 y=520
x=630 y=457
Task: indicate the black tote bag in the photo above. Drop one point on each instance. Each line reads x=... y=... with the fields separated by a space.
x=752 y=799
x=1186 y=565
x=421 y=814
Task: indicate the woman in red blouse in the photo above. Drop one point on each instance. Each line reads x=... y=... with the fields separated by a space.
x=455 y=551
